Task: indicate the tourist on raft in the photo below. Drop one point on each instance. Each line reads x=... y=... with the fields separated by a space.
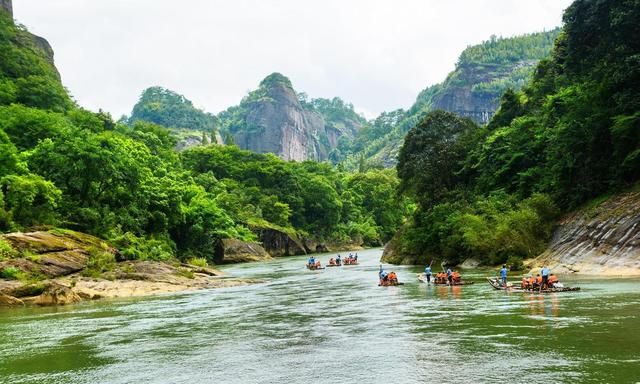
x=503 y=275
x=449 y=276
x=545 y=278
x=427 y=273
x=338 y=260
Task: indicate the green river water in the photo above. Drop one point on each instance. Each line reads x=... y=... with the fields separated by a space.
x=333 y=326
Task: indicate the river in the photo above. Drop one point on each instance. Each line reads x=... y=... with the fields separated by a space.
x=332 y=326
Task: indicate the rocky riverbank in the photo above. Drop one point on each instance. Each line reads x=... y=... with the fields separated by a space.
x=601 y=239
x=66 y=267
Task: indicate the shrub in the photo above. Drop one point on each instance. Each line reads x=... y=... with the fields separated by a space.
x=198 y=262
x=133 y=247
x=99 y=262
x=6 y=250
x=12 y=273
x=185 y=273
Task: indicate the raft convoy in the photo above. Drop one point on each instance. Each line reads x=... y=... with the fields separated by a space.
x=547 y=283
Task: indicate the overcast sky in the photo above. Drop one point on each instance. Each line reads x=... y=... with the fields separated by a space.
x=376 y=54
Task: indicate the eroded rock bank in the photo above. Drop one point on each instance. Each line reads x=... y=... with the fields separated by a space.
x=62 y=267
x=603 y=239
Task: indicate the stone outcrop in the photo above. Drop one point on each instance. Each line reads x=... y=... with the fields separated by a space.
x=57 y=294
x=53 y=254
x=237 y=251
x=279 y=243
x=601 y=240
x=277 y=122
x=7 y=6
x=10 y=301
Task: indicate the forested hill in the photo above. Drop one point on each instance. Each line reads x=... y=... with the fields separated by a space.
x=570 y=137
x=63 y=167
x=276 y=119
x=483 y=73
x=190 y=125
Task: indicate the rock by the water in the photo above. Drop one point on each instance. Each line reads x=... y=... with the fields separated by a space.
x=54 y=253
x=279 y=243
x=9 y=301
x=601 y=240
x=56 y=294
x=237 y=251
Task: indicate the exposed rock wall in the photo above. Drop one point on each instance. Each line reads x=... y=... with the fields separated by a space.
x=600 y=240
x=7 y=6
x=278 y=124
x=279 y=243
x=237 y=251
x=273 y=119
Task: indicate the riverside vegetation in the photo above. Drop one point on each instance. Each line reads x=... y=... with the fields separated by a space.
x=572 y=134
x=63 y=166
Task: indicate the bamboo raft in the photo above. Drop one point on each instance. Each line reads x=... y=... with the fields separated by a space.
x=422 y=278
x=495 y=283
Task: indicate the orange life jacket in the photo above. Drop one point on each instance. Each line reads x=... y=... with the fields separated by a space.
x=539 y=279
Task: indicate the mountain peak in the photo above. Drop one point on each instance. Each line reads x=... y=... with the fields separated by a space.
x=276 y=78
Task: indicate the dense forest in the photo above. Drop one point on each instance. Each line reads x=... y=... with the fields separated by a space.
x=63 y=166
x=570 y=135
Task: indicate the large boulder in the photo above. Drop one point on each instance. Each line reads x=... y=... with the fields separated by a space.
x=279 y=243
x=237 y=251
x=57 y=294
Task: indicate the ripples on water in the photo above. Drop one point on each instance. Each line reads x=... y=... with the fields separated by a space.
x=332 y=326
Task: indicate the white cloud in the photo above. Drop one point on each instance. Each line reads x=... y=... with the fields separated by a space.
x=376 y=54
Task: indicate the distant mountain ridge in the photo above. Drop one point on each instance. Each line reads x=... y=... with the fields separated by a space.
x=483 y=73
x=274 y=118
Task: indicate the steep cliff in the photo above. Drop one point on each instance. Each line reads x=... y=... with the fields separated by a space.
x=7 y=6
x=276 y=119
x=472 y=90
x=602 y=239
x=38 y=42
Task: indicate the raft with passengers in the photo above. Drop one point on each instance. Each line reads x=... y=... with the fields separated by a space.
x=450 y=277
x=543 y=282
x=387 y=279
x=313 y=264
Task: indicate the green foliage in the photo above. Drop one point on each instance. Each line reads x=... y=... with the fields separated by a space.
x=571 y=134
x=99 y=262
x=171 y=110
x=26 y=74
x=30 y=199
x=6 y=250
x=12 y=273
x=186 y=273
x=132 y=247
x=198 y=262
x=499 y=50
x=432 y=155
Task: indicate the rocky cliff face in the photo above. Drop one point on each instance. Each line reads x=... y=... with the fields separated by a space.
x=273 y=119
x=7 y=6
x=39 y=42
x=278 y=124
x=462 y=92
x=600 y=240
